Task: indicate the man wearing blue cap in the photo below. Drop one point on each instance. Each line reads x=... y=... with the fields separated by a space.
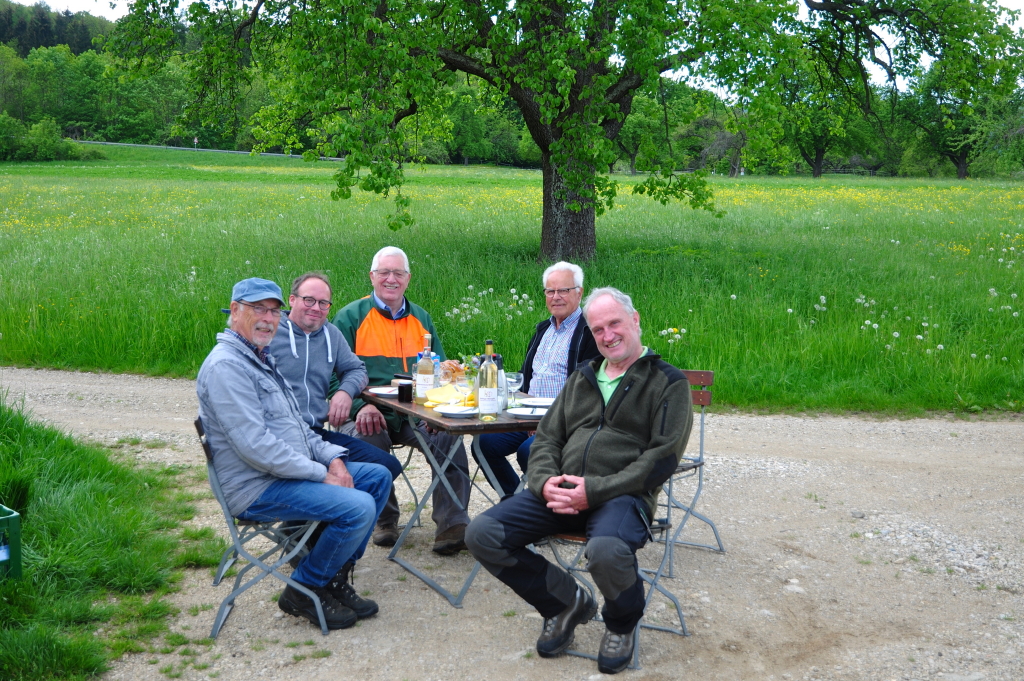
x=273 y=467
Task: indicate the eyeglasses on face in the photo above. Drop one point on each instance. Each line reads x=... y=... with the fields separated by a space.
x=309 y=301
x=399 y=274
x=260 y=310
x=550 y=292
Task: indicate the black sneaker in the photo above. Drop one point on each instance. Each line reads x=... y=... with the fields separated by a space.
x=558 y=631
x=343 y=592
x=337 y=616
x=616 y=652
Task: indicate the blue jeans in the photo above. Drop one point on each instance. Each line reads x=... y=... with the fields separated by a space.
x=496 y=446
x=348 y=513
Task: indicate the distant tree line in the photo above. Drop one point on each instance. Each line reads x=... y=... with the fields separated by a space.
x=52 y=73
x=25 y=28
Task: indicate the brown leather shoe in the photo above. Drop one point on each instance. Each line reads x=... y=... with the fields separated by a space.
x=451 y=541
x=386 y=534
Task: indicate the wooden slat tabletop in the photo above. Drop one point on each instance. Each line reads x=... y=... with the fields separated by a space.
x=468 y=426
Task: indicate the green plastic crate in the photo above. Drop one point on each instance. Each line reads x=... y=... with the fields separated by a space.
x=10 y=543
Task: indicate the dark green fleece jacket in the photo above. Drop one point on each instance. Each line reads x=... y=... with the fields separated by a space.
x=631 y=446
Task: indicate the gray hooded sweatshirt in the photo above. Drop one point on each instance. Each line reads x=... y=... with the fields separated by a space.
x=307 y=362
x=254 y=427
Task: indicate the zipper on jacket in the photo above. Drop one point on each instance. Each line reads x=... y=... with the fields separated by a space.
x=586 y=450
x=664 y=416
x=625 y=391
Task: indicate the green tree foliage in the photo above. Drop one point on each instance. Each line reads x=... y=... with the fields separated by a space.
x=29 y=27
x=955 y=117
x=346 y=73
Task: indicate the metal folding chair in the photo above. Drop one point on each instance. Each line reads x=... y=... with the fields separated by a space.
x=689 y=467
x=575 y=566
x=278 y=533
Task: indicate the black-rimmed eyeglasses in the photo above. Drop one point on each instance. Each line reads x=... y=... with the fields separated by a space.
x=310 y=301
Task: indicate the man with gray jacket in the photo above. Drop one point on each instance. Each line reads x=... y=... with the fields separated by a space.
x=273 y=467
x=310 y=352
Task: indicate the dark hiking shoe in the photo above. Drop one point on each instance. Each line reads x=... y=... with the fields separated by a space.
x=386 y=534
x=616 y=652
x=337 y=616
x=343 y=591
x=451 y=541
x=559 y=631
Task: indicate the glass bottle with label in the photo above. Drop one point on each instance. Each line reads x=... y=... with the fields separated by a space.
x=487 y=399
x=424 y=373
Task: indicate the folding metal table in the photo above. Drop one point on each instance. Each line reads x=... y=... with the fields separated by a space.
x=455 y=426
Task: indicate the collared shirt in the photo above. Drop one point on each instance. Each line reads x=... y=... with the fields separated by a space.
x=607 y=385
x=549 y=364
x=380 y=303
x=261 y=355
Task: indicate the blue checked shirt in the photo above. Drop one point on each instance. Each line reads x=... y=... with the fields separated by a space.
x=549 y=364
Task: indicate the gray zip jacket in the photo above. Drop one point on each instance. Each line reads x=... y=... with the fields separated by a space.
x=253 y=425
x=307 y=363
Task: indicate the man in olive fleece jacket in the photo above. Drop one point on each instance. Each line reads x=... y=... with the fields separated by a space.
x=614 y=435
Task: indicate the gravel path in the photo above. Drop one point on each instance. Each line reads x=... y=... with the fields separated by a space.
x=857 y=549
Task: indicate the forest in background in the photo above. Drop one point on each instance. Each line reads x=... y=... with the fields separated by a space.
x=56 y=72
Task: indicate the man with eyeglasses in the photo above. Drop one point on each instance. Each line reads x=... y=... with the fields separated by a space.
x=273 y=467
x=559 y=344
x=309 y=353
x=312 y=354
x=386 y=331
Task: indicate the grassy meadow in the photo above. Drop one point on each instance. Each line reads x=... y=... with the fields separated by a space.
x=884 y=295
x=98 y=555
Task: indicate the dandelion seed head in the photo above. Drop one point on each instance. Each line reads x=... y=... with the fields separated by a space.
x=928 y=351
x=511 y=290
x=1004 y=359
x=974 y=356
x=470 y=287
x=789 y=311
x=895 y=334
x=733 y=296
x=988 y=356
x=939 y=347
x=874 y=326
x=888 y=347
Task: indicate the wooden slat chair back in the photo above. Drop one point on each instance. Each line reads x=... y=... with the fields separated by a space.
x=281 y=536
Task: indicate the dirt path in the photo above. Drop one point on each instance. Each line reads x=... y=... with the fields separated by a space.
x=857 y=549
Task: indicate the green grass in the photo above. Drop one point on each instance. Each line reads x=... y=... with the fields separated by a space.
x=123 y=265
x=96 y=554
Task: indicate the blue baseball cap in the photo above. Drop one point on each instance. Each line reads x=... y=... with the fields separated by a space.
x=254 y=290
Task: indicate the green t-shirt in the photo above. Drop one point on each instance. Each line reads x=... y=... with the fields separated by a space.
x=607 y=385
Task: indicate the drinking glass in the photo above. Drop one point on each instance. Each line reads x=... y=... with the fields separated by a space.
x=464 y=386
x=444 y=377
x=515 y=382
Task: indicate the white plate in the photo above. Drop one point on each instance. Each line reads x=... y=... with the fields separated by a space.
x=457 y=412
x=527 y=412
x=537 y=401
x=386 y=391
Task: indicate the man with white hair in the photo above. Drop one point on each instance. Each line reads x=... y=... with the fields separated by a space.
x=614 y=435
x=559 y=344
x=386 y=331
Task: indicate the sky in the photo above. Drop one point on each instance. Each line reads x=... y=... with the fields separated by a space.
x=114 y=9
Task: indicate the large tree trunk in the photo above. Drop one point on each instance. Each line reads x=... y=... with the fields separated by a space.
x=959 y=160
x=565 y=234
x=817 y=162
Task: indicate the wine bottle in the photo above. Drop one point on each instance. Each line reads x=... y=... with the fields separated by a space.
x=424 y=373
x=488 y=391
